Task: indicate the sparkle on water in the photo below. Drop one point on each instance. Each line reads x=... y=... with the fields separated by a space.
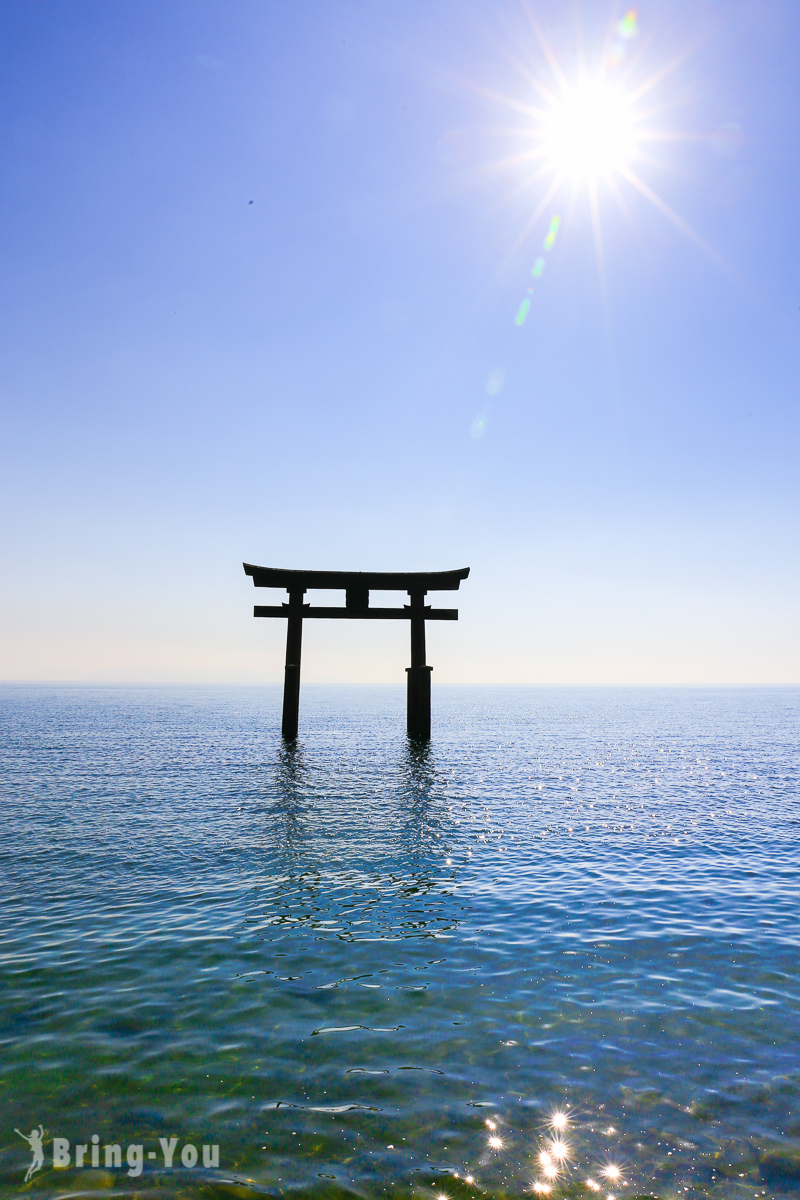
x=481 y=968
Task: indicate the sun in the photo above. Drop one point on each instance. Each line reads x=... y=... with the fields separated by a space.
x=588 y=131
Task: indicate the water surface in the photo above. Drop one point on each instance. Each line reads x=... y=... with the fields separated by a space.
x=362 y=968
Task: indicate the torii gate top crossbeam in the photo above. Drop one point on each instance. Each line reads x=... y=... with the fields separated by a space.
x=377 y=581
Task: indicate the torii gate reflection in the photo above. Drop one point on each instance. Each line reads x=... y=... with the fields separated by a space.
x=357 y=586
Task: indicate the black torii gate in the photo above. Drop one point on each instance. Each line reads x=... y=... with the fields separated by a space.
x=357 y=586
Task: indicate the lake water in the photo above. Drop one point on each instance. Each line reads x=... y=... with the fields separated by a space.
x=557 y=949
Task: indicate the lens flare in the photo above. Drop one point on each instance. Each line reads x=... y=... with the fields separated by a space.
x=453 y=149
x=727 y=141
x=552 y=233
x=627 y=27
x=495 y=381
x=537 y=270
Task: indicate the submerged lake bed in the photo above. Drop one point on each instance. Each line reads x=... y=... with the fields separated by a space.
x=554 y=951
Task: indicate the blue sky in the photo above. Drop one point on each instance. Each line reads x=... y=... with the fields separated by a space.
x=260 y=273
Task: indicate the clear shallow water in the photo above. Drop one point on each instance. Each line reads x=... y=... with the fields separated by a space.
x=339 y=963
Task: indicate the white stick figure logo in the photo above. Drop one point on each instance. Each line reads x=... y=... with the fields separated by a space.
x=34 y=1140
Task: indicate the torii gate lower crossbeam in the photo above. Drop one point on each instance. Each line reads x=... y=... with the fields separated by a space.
x=357 y=586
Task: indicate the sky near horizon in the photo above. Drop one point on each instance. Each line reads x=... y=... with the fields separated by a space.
x=322 y=285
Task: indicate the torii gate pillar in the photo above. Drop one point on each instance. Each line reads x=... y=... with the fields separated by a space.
x=291 y=671
x=418 y=694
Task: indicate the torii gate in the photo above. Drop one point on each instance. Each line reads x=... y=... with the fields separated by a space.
x=357 y=586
